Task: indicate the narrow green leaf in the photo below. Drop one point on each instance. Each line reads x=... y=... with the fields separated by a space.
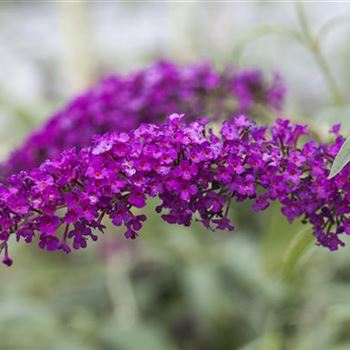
x=276 y=239
x=341 y=160
x=272 y=341
x=331 y=24
x=259 y=32
x=301 y=243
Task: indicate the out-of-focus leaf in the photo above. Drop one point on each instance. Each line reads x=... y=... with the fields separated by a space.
x=262 y=31
x=143 y=337
x=341 y=160
x=330 y=115
x=331 y=24
x=339 y=313
x=276 y=238
x=297 y=248
x=202 y=288
x=252 y=345
x=272 y=341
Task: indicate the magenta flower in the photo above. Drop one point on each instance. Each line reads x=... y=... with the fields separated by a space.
x=137 y=199
x=48 y=224
x=195 y=172
x=122 y=103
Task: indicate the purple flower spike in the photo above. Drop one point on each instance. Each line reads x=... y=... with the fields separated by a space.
x=122 y=103
x=195 y=172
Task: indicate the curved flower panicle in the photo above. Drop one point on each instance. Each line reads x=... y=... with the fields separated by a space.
x=195 y=173
x=122 y=103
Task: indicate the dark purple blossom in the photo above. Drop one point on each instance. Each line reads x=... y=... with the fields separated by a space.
x=122 y=103
x=195 y=172
x=48 y=224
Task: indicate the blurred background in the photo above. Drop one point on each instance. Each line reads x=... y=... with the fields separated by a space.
x=175 y=288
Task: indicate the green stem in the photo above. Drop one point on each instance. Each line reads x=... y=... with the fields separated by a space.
x=312 y=43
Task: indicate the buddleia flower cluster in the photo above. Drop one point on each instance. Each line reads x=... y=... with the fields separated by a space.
x=122 y=103
x=194 y=172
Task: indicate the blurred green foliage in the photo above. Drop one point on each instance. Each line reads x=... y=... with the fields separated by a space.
x=178 y=288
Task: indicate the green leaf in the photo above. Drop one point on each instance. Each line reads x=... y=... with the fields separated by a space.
x=276 y=239
x=301 y=243
x=259 y=32
x=331 y=24
x=329 y=115
x=341 y=160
